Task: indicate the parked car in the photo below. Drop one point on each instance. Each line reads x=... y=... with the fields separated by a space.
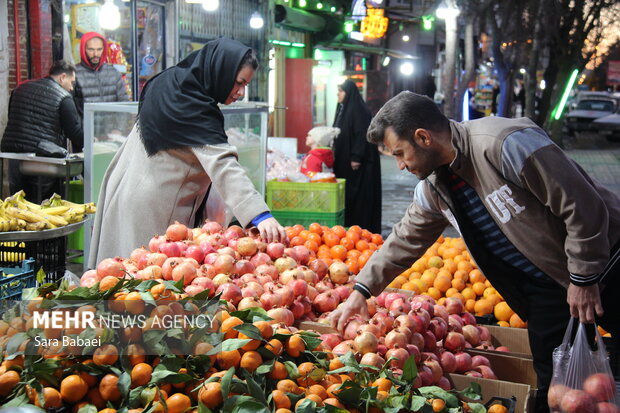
x=608 y=126
x=587 y=110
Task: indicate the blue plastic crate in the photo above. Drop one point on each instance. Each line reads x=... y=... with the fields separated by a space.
x=22 y=277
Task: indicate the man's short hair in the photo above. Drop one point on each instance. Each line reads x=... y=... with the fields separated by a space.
x=405 y=113
x=60 y=66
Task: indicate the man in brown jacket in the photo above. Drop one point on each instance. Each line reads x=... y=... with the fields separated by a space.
x=541 y=230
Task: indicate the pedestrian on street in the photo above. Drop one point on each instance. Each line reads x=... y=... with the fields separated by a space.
x=42 y=117
x=176 y=152
x=542 y=231
x=97 y=81
x=357 y=160
x=320 y=158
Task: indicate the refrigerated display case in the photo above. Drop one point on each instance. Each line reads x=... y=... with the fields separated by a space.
x=106 y=126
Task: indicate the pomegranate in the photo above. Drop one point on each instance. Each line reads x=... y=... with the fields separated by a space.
x=192 y=290
x=89 y=280
x=299 y=287
x=275 y=250
x=223 y=264
x=155 y=242
x=339 y=272
x=455 y=323
x=577 y=401
x=212 y=227
x=248 y=302
x=220 y=279
x=601 y=386
x=267 y=270
x=184 y=271
x=440 y=311
x=479 y=360
x=343 y=348
x=242 y=267
x=448 y=361
x=286 y=295
x=246 y=246
x=260 y=258
x=400 y=357
x=471 y=334
x=436 y=370
x=281 y=315
x=417 y=340
x=331 y=339
x=297 y=308
x=365 y=342
x=426 y=376
x=312 y=293
x=371 y=328
x=324 y=285
x=319 y=267
x=390 y=297
x=350 y=330
x=555 y=394
x=195 y=252
x=439 y=328
x=205 y=283
x=395 y=339
x=430 y=341
x=169 y=265
x=454 y=305
x=270 y=300
x=454 y=342
x=381 y=299
x=325 y=302
x=399 y=306
x=302 y=254
x=285 y=263
x=606 y=407
x=372 y=359
x=234 y=232
x=291 y=274
x=414 y=351
x=343 y=291
x=486 y=371
x=310 y=276
x=137 y=255
x=230 y=292
x=469 y=318
x=171 y=249
x=463 y=362
x=444 y=383
x=111 y=266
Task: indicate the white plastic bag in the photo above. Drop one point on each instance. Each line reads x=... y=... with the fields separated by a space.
x=216 y=209
x=582 y=380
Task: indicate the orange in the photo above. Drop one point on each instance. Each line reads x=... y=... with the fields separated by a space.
x=333 y=390
x=278 y=371
x=51 y=398
x=73 y=388
x=141 y=374
x=318 y=390
x=297 y=240
x=136 y=354
x=288 y=386
x=108 y=282
x=361 y=245
x=105 y=355
x=178 y=403
x=8 y=381
x=497 y=408
x=334 y=402
x=211 y=395
x=476 y=275
x=295 y=346
x=134 y=303
x=376 y=239
x=313 y=397
x=283 y=411
x=251 y=345
x=470 y=305
x=517 y=322
x=274 y=346
x=339 y=230
x=315 y=228
x=108 y=410
x=335 y=363
x=338 y=252
x=228 y=359
x=483 y=307
x=478 y=288
x=307 y=377
x=438 y=405
x=330 y=239
x=347 y=243
x=442 y=283
x=266 y=330
x=434 y=293
x=280 y=399
x=228 y=325
x=502 y=311
x=94 y=397
x=250 y=361
x=108 y=387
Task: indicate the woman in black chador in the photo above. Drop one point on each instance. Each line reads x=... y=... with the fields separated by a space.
x=357 y=160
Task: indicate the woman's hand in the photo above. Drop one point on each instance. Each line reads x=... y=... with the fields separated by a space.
x=355 y=304
x=271 y=230
x=355 y=165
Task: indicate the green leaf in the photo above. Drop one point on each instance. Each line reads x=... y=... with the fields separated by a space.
x=229 y=345
x=89 y=408
x=40 y=275
x=250 y=406
x=203 y=409
x=477 y=408
x=255 y=390
x=124 y=381
x=249 y=314
x=292 y=370
x=134 y=396
x=473 y=391
x=146 y=285
x=394 y=403
x=333 y=409
x=225 y=382
x=175 y=333
x=249 y=330
x=266 y=367
x=20 y=400
x=307 y=406
x=437 y=392
x=231 y=402
x=410 y=370
x=417 y=402
x=350 y=393
x=311 y=340
x=349 y=360
x=14 y=343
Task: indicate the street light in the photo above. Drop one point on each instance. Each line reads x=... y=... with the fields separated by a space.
x=447 y=9
x=210 y=5
x=109 y=16
x=448 y=12
x=256 y=21
x=406 y=68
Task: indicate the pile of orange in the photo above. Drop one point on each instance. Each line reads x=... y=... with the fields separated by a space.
x=353 y=246
x=447 y=270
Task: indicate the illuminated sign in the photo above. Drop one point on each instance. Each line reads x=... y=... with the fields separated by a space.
x=374 y=24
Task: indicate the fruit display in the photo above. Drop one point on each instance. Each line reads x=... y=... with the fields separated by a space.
x=447 y=270
x=19 y=214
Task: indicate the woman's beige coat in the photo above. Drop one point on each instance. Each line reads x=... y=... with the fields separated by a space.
x=140 y=195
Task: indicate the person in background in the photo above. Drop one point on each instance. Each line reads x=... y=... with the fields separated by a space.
x=97 y=81
x=320 y=158
x=177 y=151
x=357 y=160
x=42 y=117
x=544 y=233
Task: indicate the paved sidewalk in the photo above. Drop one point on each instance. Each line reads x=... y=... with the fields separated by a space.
x=597 y=156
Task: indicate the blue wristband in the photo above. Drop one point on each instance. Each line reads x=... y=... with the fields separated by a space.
x=261 y=217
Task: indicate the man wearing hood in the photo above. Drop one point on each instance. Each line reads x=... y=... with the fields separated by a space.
x=97 y=81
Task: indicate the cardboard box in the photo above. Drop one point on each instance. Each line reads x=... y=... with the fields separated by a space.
x=508 y=367
x=516 y=339
x=499 y=388
x=314 y=326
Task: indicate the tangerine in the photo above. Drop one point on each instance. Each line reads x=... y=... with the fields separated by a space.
x=141 y=374
x=108 y=387
x=278 y=371
x=288 y=386
x=105 y=355
x=211 y=394
x=250 y=361
x=295 y=346
x=178 y=403
x=8 y=381
x=228 y=327
x=228 y=359
x=280 y=399
x=73 y=388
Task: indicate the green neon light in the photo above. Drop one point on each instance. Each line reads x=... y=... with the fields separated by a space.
x=427 y=22
x=571 y=81
x=302 y=3
x=287 y=44
x=319 y=5
x=298 y=44
x=333 y=9
x=348 y=27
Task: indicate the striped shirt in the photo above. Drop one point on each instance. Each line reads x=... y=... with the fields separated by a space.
x=485 y=228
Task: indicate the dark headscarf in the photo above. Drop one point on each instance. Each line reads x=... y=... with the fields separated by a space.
x=353 y=106
x=178 y=107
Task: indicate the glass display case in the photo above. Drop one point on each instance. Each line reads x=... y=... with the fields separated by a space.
x=106 y=126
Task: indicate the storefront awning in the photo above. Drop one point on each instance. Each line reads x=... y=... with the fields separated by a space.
x=369 y=49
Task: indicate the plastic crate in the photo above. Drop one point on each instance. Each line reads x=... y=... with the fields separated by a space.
x=290 y=218
x=14 y=279
x=306 y=196
x=49 y=254
x=509 y=403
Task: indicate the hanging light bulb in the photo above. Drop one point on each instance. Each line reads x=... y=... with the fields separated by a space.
x=109 y=16
x=256 y=21
x=210 y=5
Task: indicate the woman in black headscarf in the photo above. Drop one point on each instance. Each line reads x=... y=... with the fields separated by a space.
x=176 y=150
x=357 y=160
